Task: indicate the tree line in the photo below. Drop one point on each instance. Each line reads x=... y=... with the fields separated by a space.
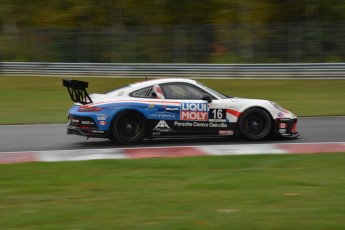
x=211 y=31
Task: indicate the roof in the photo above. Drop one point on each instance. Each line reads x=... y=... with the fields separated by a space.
x=161 y=81
x=142 y=84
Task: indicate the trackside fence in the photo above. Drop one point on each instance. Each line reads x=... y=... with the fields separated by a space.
x=280 y=71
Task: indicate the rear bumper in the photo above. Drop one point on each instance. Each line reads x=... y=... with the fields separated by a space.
x=87 y=132
x=85 y=126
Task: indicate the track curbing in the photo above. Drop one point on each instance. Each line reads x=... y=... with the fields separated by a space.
x=164 y=152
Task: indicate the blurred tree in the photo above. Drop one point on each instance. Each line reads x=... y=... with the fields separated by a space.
x=172 y=30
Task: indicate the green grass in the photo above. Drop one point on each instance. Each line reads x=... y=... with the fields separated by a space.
x=45 y=100
x=233 y=192
x=237 y=192
x=40 y=99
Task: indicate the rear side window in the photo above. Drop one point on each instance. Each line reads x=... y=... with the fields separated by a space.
x=143 y=93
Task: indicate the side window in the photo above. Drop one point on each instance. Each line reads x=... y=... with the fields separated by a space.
x=143 y=93
x=182 y=91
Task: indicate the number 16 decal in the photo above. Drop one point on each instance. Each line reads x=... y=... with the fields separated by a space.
x=217 y=115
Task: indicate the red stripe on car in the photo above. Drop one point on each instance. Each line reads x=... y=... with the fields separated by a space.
x=233 y=112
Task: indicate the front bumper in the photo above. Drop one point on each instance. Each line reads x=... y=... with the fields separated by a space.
x=85 y=126
x=286 y=128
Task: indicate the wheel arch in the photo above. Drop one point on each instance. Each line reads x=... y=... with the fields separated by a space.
x=256 y=107
x=126 y=110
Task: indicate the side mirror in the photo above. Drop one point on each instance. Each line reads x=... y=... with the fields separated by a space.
x=207 y=98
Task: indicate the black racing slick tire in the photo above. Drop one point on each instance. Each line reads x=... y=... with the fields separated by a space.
x=255 y=124
x=128 y=127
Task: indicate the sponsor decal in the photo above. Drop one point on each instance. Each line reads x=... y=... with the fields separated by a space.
x=226 y=132
x=151 y=107
x=97 y=131
x=218 y=125
x=156 y=134
x=280 y=114
x=163 y=116
x=102 y=122
x=282 y=125
x=282 y=131
x=162 y=126
x=87 y=123
x=102 y=117
x=200 y=124
x=120 y=93
x=194 y=111
x=75 y=121
x=236 y=100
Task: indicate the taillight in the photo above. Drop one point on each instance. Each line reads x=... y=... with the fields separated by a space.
x=87 y=108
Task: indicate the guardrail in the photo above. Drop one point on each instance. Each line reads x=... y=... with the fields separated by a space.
x=301 y=71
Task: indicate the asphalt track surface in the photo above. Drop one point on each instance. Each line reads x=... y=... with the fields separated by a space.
x=15 y=138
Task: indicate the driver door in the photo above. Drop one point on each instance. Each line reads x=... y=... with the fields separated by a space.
x=191 y=115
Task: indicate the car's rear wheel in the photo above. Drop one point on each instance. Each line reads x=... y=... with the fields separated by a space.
x=128 y=127
x=255 y=124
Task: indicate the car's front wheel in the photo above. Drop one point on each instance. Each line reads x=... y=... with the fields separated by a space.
x=255 y=124
x=128 y=127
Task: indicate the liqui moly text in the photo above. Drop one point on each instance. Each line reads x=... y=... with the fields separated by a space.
x=194 y=112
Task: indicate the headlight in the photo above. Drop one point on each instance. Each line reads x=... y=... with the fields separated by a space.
x=279 y=107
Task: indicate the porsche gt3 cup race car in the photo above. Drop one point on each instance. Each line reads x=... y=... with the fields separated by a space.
x=173 y=107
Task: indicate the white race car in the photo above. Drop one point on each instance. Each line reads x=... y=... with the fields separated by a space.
x=173 y=107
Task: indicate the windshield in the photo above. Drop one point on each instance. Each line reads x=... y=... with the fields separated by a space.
x=222 y=96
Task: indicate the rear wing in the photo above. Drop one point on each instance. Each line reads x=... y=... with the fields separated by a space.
x=77 y=91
